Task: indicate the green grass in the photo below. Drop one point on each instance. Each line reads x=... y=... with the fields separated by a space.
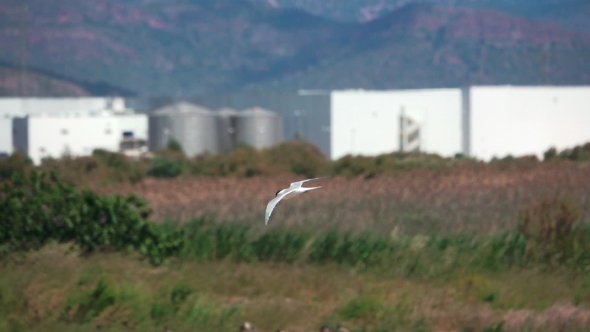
x=56 y=289
x=62 y=270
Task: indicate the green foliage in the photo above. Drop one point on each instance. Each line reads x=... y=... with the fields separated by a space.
x=174 y=145
x=16 y=163
x=39 y=208
x=352 y=166
x=294 y=157
x=497 y=327
x=243 y=161
x=101 y=167
x=359 y=307
x=577 y=153
x=280 y=246
x=297 y=158
x=164 y=167
x=363 y=250
x=418 y=256
x=121 y=168
x=551 y=224
x=92 y=303
x=179 y=293
x=421 y=326
x=208 y=241
x=550 y=154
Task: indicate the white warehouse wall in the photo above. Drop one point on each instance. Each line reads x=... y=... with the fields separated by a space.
x=527 y=120
x=23 y=106
x=52 y=136
x=136 y=123
x=5 y=134
x=367 y=122
x=19 y=107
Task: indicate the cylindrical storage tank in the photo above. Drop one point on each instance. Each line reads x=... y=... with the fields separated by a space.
x=194 y=127
x=225 y=129
x=258 y=128
x=158 y=125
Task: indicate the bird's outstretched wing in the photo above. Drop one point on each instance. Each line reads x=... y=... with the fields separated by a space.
x=298 y=184
x=271 y=205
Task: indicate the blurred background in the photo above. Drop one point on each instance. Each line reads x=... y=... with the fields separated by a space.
x=140 y=141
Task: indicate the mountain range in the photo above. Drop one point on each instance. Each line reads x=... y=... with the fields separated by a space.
x=189 y=47
x=569 y=13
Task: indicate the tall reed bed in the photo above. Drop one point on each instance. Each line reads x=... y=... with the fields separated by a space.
x=484 y=200
x=395 y=255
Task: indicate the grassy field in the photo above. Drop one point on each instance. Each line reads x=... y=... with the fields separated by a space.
x=428 y=250
x=54 y=289
x=469 y=197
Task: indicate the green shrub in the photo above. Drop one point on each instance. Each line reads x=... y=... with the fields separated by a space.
x=174 y=145
x=164 y=167
x=40 y=207
x=243 y=161
x=551 y=153
x=101 y=167
x=297 y=158
x=16 y=163
x=577 y=153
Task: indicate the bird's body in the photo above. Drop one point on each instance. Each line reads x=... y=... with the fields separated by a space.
x=294 y=190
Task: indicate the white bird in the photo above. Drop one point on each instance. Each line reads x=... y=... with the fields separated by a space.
x=295 y=189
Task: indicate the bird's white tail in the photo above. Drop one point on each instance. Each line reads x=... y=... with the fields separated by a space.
x=308 y=189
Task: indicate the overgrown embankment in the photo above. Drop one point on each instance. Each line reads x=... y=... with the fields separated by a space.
x=465 y=271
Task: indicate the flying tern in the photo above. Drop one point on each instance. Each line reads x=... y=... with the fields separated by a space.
x=295 y=189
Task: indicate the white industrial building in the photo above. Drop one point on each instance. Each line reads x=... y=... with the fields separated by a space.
x=55 y=131
x=482 y=122
x=508 y=120
x=40 y=136
x=20 y=107
x=368 y=122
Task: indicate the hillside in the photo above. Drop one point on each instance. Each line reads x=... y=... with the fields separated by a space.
x=569 y=13
x=167 y=47
x=35 y=84
x=426 y=46
x=32 y=82
x=182 y=47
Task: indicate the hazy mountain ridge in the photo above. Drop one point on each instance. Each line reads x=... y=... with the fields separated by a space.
x=192 y=47
x=569 y=13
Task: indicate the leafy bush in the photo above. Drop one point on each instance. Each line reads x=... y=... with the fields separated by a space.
x=577 y=153
x=297 y=158
x=352 y=166
x=101 y=167
x=15 y=163
x=243 y=161
x=164 y=167
x=39 y=208
x=174 y=145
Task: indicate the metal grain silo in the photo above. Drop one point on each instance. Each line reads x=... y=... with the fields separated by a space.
x=194 y=127
x=225 y=129
x=258 y=128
